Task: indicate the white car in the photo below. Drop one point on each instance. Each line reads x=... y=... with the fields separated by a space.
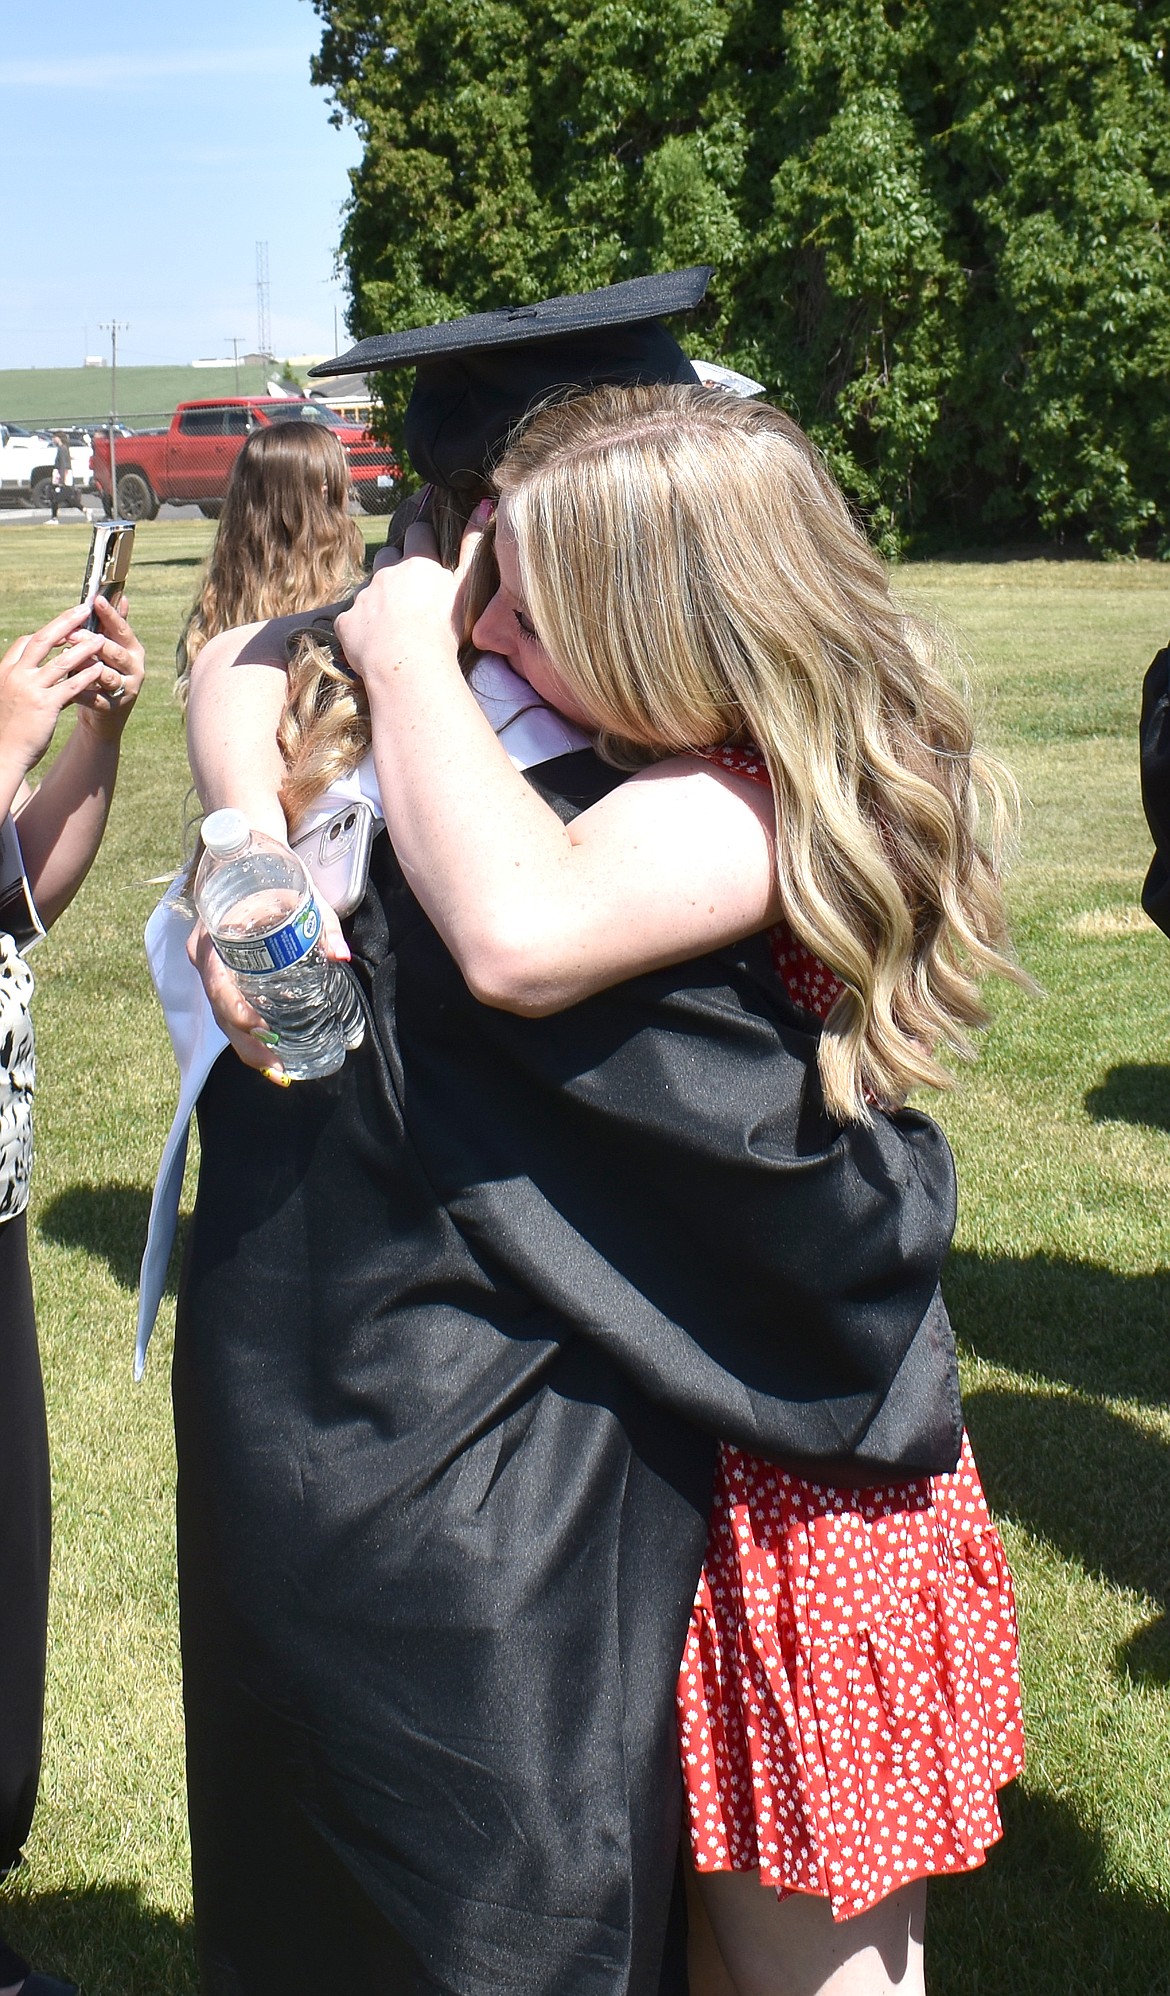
x=22 y=456
x=27 y=458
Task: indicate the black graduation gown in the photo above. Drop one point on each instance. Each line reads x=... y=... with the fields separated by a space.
x=1155 y=772
x=457 y=1327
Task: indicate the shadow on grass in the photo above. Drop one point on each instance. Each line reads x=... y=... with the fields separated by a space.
x=1042 y=1919
x=1084 y=1478
x=109 y=1221
x=1066 y=1320
x=1146 y=1657
x=1090 y=1483
x=1132 y=1094
x=105 y=1938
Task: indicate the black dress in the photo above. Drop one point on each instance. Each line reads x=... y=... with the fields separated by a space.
x=455 y=1335
x=24 y=1516
x=24 y=1449
x=24 y=1545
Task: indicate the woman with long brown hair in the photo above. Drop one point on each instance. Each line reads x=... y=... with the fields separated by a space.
x=285 y=541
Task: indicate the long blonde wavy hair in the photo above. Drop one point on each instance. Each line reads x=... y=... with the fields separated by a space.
x=699 y=580
x=285 y=540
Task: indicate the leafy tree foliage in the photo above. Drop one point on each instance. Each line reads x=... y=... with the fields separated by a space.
x=937 y=226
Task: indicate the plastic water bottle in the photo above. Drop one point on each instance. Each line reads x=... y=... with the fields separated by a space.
x=257 y=903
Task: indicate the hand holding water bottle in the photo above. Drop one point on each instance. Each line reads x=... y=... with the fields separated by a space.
x=256 y=901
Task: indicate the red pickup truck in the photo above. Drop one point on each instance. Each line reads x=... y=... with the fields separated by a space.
x=192 y=461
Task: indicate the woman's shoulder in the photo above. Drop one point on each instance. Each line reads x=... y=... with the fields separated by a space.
x=745 y=762
x=727 y=784
x=265 y=642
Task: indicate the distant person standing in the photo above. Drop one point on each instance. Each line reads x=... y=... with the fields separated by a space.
x=63 y=485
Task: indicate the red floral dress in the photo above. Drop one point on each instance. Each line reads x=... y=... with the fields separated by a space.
x=848 y=1703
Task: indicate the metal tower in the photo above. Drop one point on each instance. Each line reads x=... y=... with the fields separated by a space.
x=263 y=324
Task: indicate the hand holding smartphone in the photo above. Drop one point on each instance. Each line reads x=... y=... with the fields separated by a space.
x=106 y=570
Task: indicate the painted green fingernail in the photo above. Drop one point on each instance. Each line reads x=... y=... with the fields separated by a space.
x=266 y=1039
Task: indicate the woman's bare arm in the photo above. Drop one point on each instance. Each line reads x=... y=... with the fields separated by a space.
x=234 y=704
x=676 y=862
x=62 y=820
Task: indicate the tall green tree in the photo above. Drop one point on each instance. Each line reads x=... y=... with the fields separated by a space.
x=938 y=227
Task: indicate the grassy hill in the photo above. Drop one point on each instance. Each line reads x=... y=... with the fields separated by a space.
x=40 y=397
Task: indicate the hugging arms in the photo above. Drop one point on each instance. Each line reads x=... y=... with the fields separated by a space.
x=681 y=1172
x=539 y=914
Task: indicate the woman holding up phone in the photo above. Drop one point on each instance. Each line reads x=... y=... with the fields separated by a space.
x=48 y=839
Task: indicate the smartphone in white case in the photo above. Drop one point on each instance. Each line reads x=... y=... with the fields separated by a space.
x=110 y=548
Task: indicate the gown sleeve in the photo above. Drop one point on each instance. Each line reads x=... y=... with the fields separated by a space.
x=656 y=1170
x=1155 y=773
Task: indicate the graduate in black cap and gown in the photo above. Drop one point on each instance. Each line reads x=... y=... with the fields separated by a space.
x=457 y=1329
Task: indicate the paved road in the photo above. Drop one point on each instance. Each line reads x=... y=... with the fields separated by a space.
x=35 y=516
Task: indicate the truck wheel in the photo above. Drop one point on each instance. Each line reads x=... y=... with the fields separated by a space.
x=41 y=493
x=377 y=498
x=136 y=501
x=211 y=508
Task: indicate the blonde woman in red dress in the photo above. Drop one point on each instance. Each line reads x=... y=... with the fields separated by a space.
x=676 y=571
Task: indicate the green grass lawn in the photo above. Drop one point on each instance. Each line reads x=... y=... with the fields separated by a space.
x=1059 y=1286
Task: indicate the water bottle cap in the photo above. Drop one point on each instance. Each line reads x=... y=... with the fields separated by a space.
x=226 y=832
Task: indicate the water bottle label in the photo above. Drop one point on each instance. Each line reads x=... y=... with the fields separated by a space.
x=284 y=947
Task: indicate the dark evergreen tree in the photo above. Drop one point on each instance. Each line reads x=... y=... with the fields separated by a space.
x=938 y=227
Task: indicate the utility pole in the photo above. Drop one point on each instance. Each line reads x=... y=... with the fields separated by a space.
x=235 y=340
x=113 y=328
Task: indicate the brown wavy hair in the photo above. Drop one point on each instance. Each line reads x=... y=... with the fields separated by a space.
x=285 y=540
x=699 y=580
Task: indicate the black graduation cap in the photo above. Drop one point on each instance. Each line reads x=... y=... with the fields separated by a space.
x=476 y=377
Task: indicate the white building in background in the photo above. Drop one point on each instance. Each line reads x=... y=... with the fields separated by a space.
x=349 y=395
